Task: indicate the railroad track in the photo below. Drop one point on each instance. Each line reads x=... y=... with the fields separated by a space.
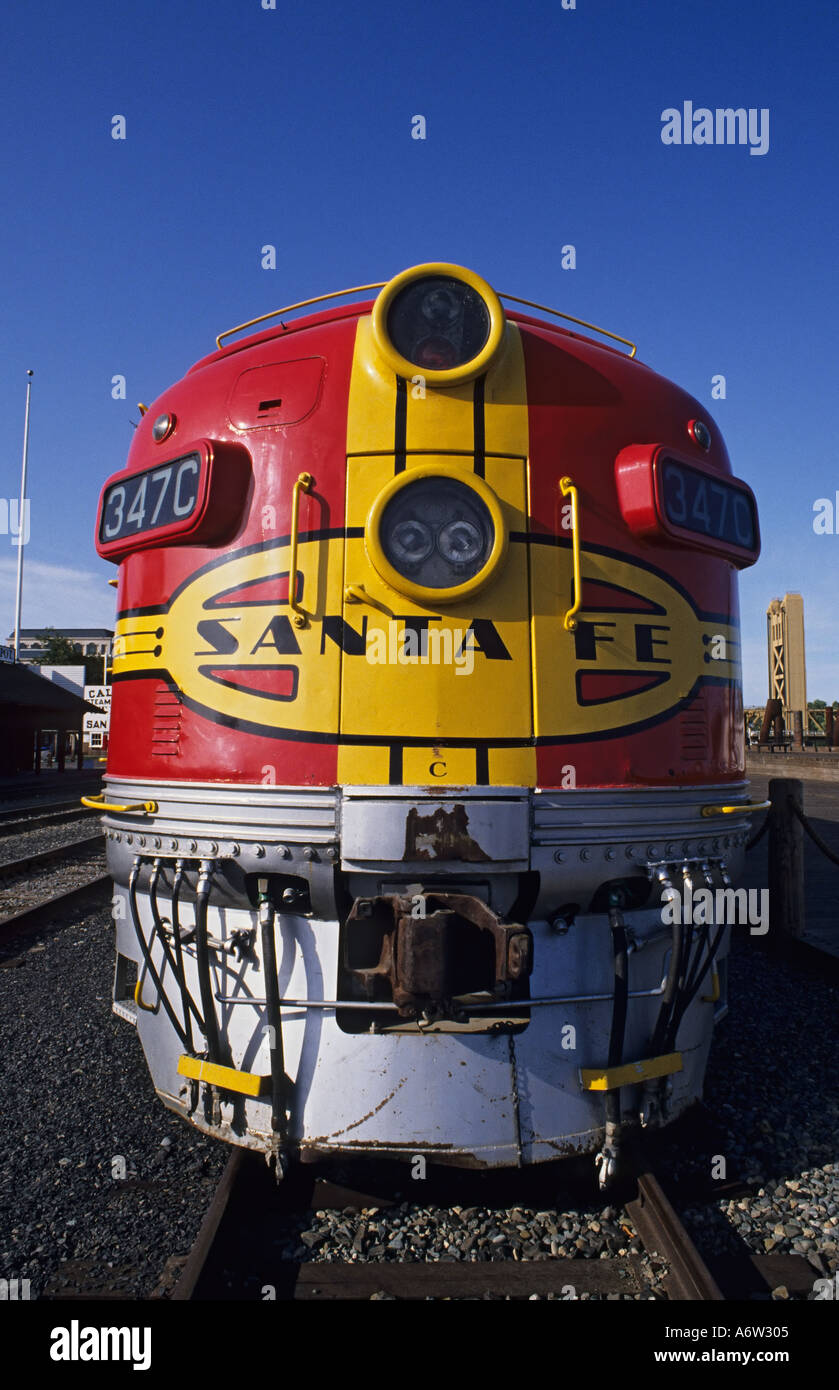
x=36 y=817
x=232 y=1256
x=39 y=859
x=39 y=906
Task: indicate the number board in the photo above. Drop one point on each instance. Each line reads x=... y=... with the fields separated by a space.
x=149 y=501
x=708 y=506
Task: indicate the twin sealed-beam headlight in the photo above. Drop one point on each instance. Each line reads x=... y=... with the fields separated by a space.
x=438 y=321
x=436 y=537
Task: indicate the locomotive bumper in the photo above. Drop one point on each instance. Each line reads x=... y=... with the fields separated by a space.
x=418 y=1020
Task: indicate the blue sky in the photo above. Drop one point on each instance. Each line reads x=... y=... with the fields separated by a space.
x=292 y=126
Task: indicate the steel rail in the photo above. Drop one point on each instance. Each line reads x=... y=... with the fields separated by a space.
x=34 y=916
x=661 y=1231
x=198 y=1256
x=40 y=858
x=38 y=822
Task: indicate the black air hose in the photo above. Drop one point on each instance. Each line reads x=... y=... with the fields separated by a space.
x=146 y=953
x=202 y=960
x=619 y=1008
x=175 y=963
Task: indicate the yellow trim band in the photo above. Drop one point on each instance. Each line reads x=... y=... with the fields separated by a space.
x=451 y=376
x=742 y=810
x=630 y=1073
x=247 y=1083
x=421 y=593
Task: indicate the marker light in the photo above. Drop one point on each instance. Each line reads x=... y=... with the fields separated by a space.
x=162 y=427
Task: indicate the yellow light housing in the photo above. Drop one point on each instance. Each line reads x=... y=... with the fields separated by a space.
x=439 y=529
x=445 y=332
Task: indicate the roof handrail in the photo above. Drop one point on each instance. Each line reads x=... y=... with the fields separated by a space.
x=379 y=285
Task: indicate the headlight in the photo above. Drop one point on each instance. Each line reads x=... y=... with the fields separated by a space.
x=439 y=321
x=436 y=537
x=410 y=542
x=460 y=542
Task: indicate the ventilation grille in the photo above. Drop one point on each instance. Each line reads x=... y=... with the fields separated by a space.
x=166 y=729
x=693 y=725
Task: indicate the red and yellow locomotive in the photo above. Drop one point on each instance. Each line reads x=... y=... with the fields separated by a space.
x=426 y=696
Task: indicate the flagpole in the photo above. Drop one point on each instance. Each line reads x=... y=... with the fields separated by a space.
x=22 y=519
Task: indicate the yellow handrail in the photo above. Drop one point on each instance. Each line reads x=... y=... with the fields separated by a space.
x=303 y=484
x=744 y=809
x=531 y=304
x=568 y=489
x=380 y=284
x=98 y=803
x=302 y=304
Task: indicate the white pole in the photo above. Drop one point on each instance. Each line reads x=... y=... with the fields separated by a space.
x=22 y=518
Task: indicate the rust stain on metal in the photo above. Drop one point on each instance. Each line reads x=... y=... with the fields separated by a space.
x=370 y=1113
x=442 y=835
x=422 y=952
x=443 y=1154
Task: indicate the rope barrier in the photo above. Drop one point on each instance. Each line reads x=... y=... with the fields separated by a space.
x=814 y=835
x=759 y=834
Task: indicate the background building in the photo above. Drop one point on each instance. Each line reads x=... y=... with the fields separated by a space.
x=787 y=660
x=91 y=641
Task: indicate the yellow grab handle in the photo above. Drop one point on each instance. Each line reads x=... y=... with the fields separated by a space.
x=568 y=489
x=138 y=998
x=741 y=810
x=713 y=997
x=303 y=484
x=356 y=593
x=98 y=803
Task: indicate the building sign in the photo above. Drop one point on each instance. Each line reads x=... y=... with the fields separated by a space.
x=95 y=723
x=100 y=696
x=7 y=653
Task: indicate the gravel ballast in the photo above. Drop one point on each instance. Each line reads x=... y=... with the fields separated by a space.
x=41 y=838
x=771 y=1089
x=76 y=1099
x=37 y=885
